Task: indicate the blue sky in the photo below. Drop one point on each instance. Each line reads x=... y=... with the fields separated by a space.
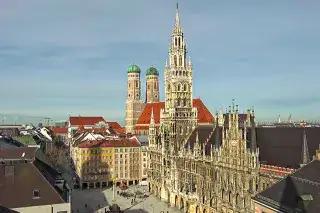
x=70 y=57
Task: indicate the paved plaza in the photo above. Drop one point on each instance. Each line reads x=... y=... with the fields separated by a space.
x=98 y=200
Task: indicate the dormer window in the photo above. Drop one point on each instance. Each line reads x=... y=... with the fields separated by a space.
x=36 y=193
x=9 y=170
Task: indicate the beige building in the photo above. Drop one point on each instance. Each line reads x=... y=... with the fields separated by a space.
x=127 y=163
x=215 y=168
x=101 y=156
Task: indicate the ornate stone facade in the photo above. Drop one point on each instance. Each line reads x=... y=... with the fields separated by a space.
x=219 y=173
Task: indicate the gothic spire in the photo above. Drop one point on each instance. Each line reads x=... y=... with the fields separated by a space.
x=177 y=28
x=305 y=159
x=253 y=134
x=177 y=20
x=217 y=133
x=152 y=117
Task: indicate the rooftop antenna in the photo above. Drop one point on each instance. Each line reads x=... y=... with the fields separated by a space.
x=279 y=119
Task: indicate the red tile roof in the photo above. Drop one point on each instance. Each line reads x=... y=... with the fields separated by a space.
x=90 y=121
x=204 y=115
x=110 y=143
x=59 y=130
x=114 y=125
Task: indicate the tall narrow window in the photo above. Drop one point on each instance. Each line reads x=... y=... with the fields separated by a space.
x=175 y=60
x=180 y=60
x=179 y=42
x=137 y=84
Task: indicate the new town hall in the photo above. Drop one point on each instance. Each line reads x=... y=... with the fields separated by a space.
x=201 y=164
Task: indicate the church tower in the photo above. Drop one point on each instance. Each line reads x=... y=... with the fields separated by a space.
x=152 y=85
x=179 y=117
x=134 y=104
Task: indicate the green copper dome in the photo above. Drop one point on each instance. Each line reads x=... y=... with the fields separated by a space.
x=133 y=69
x=152 y=71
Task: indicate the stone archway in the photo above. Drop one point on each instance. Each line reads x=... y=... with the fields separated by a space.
x=181 y=206
x=198 y=209
x=187 y=207
x=176 y=200
x=212 y=202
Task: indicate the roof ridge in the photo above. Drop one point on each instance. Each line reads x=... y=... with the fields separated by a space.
x=303 y=180
x=55 y=191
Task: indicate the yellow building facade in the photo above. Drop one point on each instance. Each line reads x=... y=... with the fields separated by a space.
x=98 y=162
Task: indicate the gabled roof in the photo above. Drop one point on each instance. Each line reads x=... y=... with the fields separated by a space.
x=204 y=115
x=87 y=121
x=17 y=189
x=279 y=146
x=59 y=130
x=285 y=195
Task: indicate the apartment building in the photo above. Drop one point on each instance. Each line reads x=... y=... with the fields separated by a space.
x=98 y=161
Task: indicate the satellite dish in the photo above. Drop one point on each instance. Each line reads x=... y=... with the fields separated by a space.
x=23 y=154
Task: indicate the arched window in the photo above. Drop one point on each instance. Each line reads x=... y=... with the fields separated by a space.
x=185 y=87
x=148 y=86
x=237 y=199
x=175 y=42
x=180 y=60
x=129 y=85
x=179 y=42
x=137 y=84
x=175 y=60
x=155 y=85
x=229 y=197
x=184 y=102
x=179 y=87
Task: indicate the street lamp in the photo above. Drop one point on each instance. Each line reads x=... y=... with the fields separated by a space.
x=114 y=189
